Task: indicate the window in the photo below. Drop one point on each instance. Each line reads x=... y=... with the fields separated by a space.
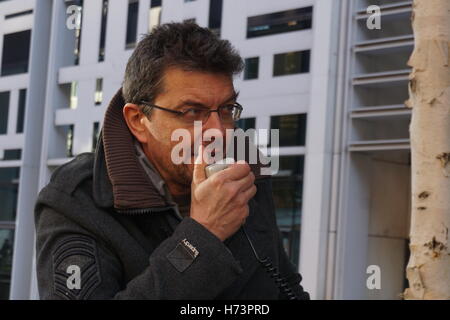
x=73 y=95
x=9 y=186
x=21 y=110
x=246 y=123
x=12 y=154
x=9 y=182
x=291 y=63
x=154 y=18
x=215 y=16
x=16 y=53
x=133 y=8
x=288 y=196
x=292 y=129
x=95 y=135
x=69 y=140
x=4 y=111
x=101 y=53
x=251 y=68
x=18 y=14
x=6 y=248
x=279 y=22
x=98 y=92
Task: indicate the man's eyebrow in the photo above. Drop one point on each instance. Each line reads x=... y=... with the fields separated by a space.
x=233 y=97
x=198 y=104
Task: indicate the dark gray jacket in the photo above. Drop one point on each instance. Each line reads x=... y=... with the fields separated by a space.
x=102 y=219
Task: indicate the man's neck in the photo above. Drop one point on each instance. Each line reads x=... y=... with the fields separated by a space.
x=175 y=187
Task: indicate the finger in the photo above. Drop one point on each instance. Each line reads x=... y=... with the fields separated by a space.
x=250 y=192
x=245 y=214
x=236 y=171
x=199 y=174
x=246 y=182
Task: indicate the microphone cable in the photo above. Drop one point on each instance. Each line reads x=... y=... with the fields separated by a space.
x=281 y=282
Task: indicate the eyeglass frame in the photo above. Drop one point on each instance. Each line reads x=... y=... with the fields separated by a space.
x=182 y=113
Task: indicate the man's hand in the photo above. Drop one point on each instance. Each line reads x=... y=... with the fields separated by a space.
x=220 y=203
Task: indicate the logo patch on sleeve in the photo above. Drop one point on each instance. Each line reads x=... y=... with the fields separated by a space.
x=183 y=255
x=75 y=268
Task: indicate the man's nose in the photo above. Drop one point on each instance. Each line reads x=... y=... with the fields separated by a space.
x=214 y=122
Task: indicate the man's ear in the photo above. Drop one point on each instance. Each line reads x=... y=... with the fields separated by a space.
x=135 y=121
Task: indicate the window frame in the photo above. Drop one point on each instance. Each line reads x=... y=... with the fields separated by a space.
x=303 y=63
x=272 y=23
x=245 y=77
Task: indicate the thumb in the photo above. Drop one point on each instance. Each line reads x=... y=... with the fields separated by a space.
x=199 y=174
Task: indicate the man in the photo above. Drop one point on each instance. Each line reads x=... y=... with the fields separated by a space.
x=129 y=223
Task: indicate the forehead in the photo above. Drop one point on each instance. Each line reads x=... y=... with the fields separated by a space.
x=209 y=88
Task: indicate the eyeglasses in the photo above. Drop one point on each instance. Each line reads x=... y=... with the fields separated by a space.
x=227 y=113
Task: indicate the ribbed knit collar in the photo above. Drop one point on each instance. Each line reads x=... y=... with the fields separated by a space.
x=130 y=185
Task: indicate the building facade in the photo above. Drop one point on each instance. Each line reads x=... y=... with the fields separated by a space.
x=334 y=88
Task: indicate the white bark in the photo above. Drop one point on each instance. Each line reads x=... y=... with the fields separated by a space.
x=428 y=270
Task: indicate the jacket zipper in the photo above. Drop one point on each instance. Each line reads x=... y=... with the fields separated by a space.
x=149 y=210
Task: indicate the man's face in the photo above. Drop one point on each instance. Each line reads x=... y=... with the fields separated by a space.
x=184 y=90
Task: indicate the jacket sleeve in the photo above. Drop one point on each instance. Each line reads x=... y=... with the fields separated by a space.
x=73 y=264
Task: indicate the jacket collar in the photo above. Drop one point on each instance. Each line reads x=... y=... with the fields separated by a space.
x=119 y=179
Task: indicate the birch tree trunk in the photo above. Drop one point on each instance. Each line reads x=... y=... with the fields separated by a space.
x=428 y=270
